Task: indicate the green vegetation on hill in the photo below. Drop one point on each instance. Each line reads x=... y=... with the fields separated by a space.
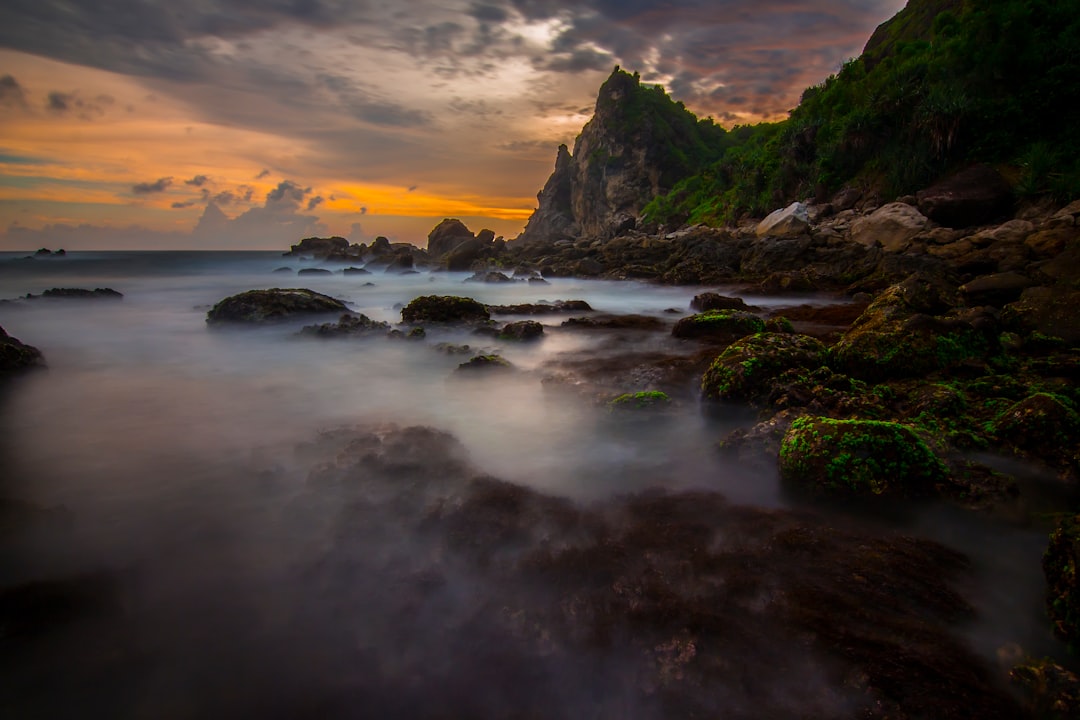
x=944 y=83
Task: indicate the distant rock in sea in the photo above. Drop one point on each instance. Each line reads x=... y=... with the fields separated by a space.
x=314 y=271
x=273 y=305
x=78 y=294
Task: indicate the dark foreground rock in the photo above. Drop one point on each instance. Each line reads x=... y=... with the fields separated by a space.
x=275 y=304
x=559 y=306
x=350 y=325
x=1061 y=565
x=724 y=325
x=16 y=355
x=523 y=330
x=444 y=309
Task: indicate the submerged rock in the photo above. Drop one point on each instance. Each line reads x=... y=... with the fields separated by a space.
x=275 y=304
x=859 y=457
x=559 y=306
x=349 y=325
x=444 y=309
x=715 y=301
x=639 y=401
x=522 y=330
x=16 y=355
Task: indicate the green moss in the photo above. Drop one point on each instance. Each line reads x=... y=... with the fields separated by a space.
x=748 y=370
x=645 y=400
x=1062 y=579
x=859 y=457
x=718 y=323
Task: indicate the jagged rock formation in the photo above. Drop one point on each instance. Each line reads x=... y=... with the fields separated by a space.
x=637 y=145
x=455 y=247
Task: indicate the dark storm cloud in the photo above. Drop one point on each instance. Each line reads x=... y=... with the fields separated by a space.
x=489 y=13
x=363 y=104
x=146 y=188
x=581 y=60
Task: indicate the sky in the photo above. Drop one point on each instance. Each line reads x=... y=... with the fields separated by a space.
x=249 y=124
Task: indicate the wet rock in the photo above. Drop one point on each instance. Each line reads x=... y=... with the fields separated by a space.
x=16 y=355
x=522 y=331
x=350 y=325
x=715 y=301
x=1050 y=242
x=749 y=368
x=718 y=325
x=645 y=400
x=616 y=322
x=314 y=271
x=448 y=236
x=973 y=196
x=792 y=220
x=334 y=248
x=1048 y=310
x=892 y=227
x=79 y=294
x=1061 y=565
x=997 y=289
x=559 y=306
x=1044 y=427
x=1052 y=692
x=355 y=271
x=860 y=458
x=444 y=309
x=275 y=304
x=484 y=364
x=489 y=276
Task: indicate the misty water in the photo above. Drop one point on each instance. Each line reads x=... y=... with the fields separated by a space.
x=176 y=461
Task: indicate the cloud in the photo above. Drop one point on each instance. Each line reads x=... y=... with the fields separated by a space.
x=364 y=211
x=185 y=204
x=314 y=203
x=146 y=188
x=197 y=181
x=12 y=93
x=264 y=174
x=64 y=103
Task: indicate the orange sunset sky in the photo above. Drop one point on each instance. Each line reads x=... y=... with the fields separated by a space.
x=239 y=124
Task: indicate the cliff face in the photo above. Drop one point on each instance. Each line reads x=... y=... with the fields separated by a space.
x=637 y=145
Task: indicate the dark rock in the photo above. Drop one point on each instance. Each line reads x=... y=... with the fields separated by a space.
x=355 y=271
x=718 y=325
x=997 y=289
x=1061 y=565
x=1050 y=311
x=80 y=294
x=284 y=270
x=749 y=368
x=314 y=271
x=559 y=306
x=845 y=199
x=616 y=322
x=1053 y=693
x=16 y=355
x=43 y=252
x=402 y=262
x=974 y=196
x=464 y=255
x=1044 y=427
x=522 y=330
x=275 y=304
x=645 y=400
x=859 y=458
x=350 y=325
x=489 y=276
x=380 y=245
x=444 y=309
x=446 y=236
x=715 y=301
x=331 y=248
x=484 y=364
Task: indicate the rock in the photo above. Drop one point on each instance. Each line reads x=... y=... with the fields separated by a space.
x=792 y=220
x=891 y=226
x=80 y=294
x=997 y=289
x=523 y=330
x=336 y=248
x=845 y=199
x=1044 y=427
x=715 y=301
x=401 y=262
x=43 y=252
x=485 y=364
x=1050 y=242
x=559 y=306
x=464 y=255
x=16 y=356
x=974 y=196
x=275 y=304
x=640 y=401
x=616 y=322
x=447 y=236
x=314 y=271
x=1047 y=310
x=588 y=267
x=718 y=325
x=444 y=309
x=489 y=276
x=1013 y=231
x=860 y=458
x=1053 y=693
x=350 y=324
x=1061 y=565
x=747 y=370
x=284 y=270
x=355 y=271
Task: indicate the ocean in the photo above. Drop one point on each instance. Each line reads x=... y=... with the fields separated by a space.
x=177 y=463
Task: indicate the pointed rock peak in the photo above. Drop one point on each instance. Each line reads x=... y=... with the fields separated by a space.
x=563 y=158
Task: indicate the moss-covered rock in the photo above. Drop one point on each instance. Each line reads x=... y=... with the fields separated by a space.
x=484 y=363
x=273 y=305
x=444 y=309
x=349 y=325
x=748 y=369
x=1043 y=426
x=719 y=324
x=16 y=355
x=779 y=324
x=859 y=457
x=894 y=338
x=522 y=330
x=1063 y=580
x=645 y=400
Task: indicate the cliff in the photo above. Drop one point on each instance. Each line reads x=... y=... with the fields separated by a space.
x=637 y=145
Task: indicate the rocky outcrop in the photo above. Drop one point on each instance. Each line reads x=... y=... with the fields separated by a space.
x=792 y=220
x=973 y=196
x=444 y=309
x=16 y=355
x=349 y=325
x=273 y=305
x=453 y=246
x=891 y=227
x=79 y=294
x=637 y=145
x=332 y=248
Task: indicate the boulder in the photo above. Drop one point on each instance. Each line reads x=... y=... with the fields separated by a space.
x=792 y=220
x=1048 y=310
x=355 y=271
x=892 y=227
x=489 y=276
x=996 y=289
x=715 y=301
x=559 y=306
x=522 y=330
x=16 y=355
x=444 y=309
x=859 y=458
x=1042 y=426
x=974 y=196
x=1013 y=231
x=320 y=248
x=348 y=325
x=718 y=325
x=616 y=322
x=275 y=304
x=314 y=271
x=747 y=370
x=485 y=364
x=448 y=235
x=1060 y=566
